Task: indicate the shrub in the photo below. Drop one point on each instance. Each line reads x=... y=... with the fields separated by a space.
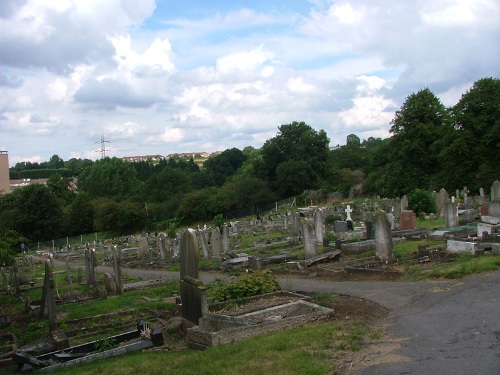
x=420 y=200
x=247 y=285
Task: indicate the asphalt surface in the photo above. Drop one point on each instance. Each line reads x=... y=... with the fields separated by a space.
x=445 y=327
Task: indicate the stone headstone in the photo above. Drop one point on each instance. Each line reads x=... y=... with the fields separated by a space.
x=204 y=244
x=14 y=275
x=225 y=239
x=348 y=211
x=404 y=203
x=319 y=226
x=484 y=209
x=295 y=224
x=80 y=275
x=109 y=284
x=340 y=227
x=216 y=242
x=451 y=215
x=407 y=220
x=68 y=272
x=383 y=237
x=442 y=199
x=310 y=249
x=117 y=268
x=494 y=208
x=48 y=296
x=370 y=230
x=193 y=292
x=161 y=245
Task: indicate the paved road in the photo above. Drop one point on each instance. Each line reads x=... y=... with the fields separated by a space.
x=445 y=327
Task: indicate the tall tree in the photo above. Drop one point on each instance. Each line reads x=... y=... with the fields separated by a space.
x=109 y=177
x=297 y=142
x=417 y=128
x=471 y=155
x=39 y=213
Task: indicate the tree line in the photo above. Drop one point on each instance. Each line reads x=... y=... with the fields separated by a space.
x=430 y=147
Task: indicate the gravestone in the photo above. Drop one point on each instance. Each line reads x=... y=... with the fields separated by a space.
x=175 y=247
x=348 y=211
x=484 y=209
x=383 y=237
x=204 y=244
x=193 y=292
x=310 y=249
x=319 y=226
x=295 y=224
x=390 y=217
x=404 y=203
x=216 y=241
x=14 y=278
x=49 y=297
x=117 y=269
x=494 y=208
x=109 y=284
x=225 y=239
x=87 y=266
x=161 y=245
x=442 y=199
x=451 y=215
x=370 y=230
x=68 y=271
x=340 y=227
x=407 y=220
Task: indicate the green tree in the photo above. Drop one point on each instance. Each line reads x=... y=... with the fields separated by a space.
x=418 y=128
x=80 y=215
x=296 y=142
x=293 y=177
x=109 y=177
x=59 y=187
x=38 y=213
x=224 y=165
x=10 y=242
x=470 y=156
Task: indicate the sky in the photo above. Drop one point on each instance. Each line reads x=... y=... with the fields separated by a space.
x=163 y=77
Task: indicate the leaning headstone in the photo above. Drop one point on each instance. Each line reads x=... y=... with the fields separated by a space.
x=310 y=249
x=383 y=237
x=117 y=268
x=295 y=224
x=204 y=244
x=48 y=296
x=319 y=226
x=161 y=245
x=451 y=215
x=193 y=292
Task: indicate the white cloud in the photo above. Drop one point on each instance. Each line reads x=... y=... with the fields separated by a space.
x=171 y=135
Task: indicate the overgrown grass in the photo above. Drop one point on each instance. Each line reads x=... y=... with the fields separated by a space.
x=408 y=248
x=304 y=350
x=465 y=265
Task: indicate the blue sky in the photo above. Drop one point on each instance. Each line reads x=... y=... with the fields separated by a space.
x=163 y=77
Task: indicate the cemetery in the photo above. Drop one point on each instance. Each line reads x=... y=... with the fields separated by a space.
x=172 y=308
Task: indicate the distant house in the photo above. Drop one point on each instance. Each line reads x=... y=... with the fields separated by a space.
x=135 y=159
x=14 y=184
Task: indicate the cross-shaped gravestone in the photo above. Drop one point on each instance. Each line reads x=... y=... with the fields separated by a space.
x=348 y=212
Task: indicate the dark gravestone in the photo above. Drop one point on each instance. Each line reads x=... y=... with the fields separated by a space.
x=193 y=292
